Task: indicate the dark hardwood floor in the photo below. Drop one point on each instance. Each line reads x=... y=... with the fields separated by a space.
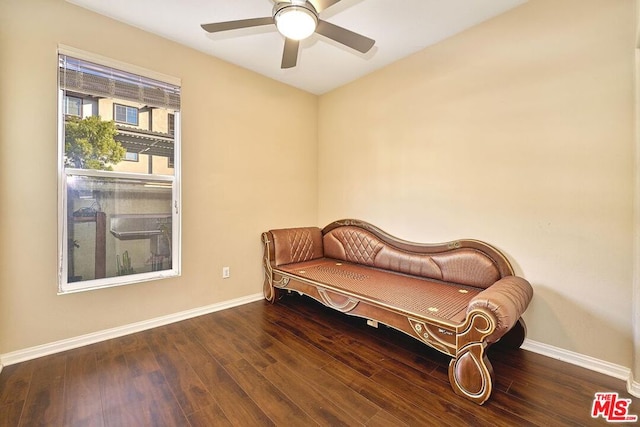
x=293 y=363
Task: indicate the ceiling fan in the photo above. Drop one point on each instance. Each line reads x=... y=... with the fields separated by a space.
x=297 y=20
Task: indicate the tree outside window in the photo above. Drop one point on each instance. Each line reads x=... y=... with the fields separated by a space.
x=90 y=143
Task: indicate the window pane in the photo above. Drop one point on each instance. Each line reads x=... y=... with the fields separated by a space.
x=101 y=140
x=117 y=227
x=132 y=116
x=132 y=157
x=120 y=113
x=73 y=106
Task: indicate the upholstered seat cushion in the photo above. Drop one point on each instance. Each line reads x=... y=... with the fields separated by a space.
x=415 y=296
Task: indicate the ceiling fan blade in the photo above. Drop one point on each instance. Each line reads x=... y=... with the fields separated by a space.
x=320 y=5
x=346 y=37
x=290 y=54
x=233 y=25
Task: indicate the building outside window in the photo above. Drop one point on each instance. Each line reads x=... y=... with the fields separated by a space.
x=119 y=220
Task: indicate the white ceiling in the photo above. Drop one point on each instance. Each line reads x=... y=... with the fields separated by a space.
x=400 y=28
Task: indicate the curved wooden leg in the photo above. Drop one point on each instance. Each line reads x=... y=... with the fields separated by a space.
x=471 y=373
x=269 y=292
x=272 y=293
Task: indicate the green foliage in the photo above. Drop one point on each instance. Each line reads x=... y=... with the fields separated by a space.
x=125 y=266
x=89 y=144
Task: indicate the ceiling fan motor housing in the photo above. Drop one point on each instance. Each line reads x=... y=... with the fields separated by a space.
x=296 y=20
x=280 y=4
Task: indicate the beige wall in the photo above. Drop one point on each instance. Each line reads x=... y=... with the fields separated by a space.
x=518 y=132
x=236 y=157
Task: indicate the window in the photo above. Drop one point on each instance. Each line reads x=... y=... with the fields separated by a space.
x=131 y=157
x=73 y=106
x=118 y=224
x=125 y=114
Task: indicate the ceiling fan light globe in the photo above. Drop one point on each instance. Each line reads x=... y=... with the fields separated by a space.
x=296 y=22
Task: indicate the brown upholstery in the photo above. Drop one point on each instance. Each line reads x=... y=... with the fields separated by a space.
x=463 y=265
x=507 y=299
x=297 y=244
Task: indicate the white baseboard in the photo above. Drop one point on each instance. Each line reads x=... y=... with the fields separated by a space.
x=71 y=343
x=633 y=386
x=588 y=362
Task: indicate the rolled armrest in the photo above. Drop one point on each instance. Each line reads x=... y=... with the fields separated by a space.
x=506 y=299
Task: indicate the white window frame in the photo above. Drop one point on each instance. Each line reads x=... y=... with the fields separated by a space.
x=64 y=286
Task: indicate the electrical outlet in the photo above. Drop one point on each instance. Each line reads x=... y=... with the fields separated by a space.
x=226 y=273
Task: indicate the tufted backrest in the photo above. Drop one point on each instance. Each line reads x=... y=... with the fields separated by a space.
x=449 y=262
x=297 y=245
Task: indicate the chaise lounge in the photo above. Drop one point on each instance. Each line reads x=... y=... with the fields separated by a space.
x=457 y=297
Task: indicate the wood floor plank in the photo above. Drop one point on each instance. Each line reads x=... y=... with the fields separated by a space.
x=44 y=405
x=156 y=404
x=132 y=342
x=384 y=419
x=295 y=350
x=82 y=401
x=160 y=400
x=229 y=336
x=580 y=381
x=211 y=415
x=10 y=413
x=457 y=413
x=547 y=399
x=115 y=382
x=235 y=403
x=208 y=334
x=190 y=392
x=141 y=361
x=317 y=404
x=376 y=355
x=544 y=389
x=325 y=339
x=532 y=413
x=275 y=404
x=384 y=398
x=306 y=361
x=439 y=386
x=393 y=344
x=14 y=382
